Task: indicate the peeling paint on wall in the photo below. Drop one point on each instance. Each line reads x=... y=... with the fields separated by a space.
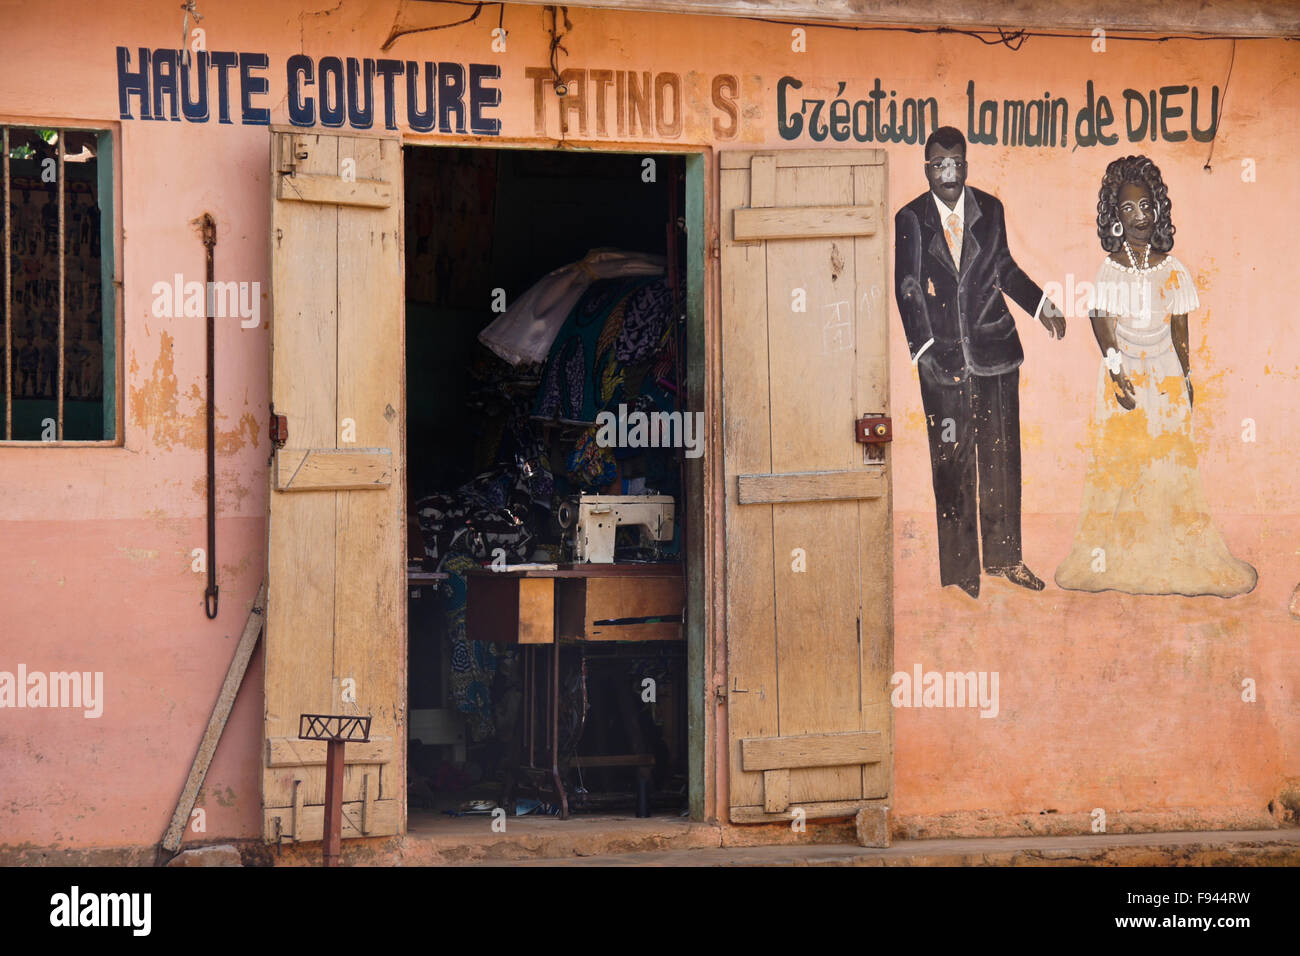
x=156 y=406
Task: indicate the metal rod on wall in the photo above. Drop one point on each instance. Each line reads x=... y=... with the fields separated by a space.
x=9 y=302
x=210 y=599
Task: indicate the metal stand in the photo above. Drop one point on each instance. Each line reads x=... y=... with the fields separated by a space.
x=335 y=730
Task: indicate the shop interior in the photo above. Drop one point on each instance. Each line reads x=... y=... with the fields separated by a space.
x=546 y=555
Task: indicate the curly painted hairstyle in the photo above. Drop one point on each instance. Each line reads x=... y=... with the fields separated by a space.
x=1143 y=172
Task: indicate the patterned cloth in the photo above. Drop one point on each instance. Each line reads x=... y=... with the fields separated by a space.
x=491 y=514
x=478 y=519
x=618 y=323
x=589 y=466
x=474 y=664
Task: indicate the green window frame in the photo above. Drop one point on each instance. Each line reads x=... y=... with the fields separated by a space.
x=58 y=304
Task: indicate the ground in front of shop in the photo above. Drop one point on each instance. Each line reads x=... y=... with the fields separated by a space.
x=624 y=840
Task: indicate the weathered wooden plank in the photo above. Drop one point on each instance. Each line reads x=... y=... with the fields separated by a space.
x=370 y=817
x=751 y=709
x=370 y=591
x=812 y=750
x=812 y=367
x=816 y=369
x=217 y=721
x=828 y=810
x=536 y=611
x=308 y=824
x=292 y=752
x=809 y=486
x=776 y=790
x=762 y=182
x=1207 y=17
x=334 y=190
x=299 y=634
x=875 y=515
x=310 y=782
x=319 y=469
x=806 y=222
x=610 y=598
x=296 y=808
x=641 y=631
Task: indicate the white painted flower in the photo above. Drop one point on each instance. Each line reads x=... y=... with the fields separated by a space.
x=1113 y=361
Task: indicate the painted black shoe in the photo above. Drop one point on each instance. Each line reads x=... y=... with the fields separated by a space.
x=1021 y=575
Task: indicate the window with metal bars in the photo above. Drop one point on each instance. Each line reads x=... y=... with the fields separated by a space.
x=58 y=362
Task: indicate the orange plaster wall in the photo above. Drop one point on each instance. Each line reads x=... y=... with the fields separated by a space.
x=1126 y=703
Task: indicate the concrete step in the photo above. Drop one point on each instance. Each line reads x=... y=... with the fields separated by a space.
x=440 y=840
x=1204 y=848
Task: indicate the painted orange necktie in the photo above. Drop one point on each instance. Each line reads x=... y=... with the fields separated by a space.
x=952 y=232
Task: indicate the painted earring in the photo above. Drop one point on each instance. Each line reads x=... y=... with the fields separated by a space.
x=1117 y=229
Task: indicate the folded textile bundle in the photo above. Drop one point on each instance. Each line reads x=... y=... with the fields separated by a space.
x=476 y=519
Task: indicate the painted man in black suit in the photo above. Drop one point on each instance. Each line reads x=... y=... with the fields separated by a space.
x=952 y=269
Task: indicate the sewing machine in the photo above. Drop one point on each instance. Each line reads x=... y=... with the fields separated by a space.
x=590 y=521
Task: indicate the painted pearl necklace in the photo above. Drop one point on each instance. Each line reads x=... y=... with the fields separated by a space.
x=1133 y=266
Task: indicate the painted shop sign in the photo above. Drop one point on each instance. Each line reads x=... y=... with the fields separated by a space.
x=628 y=103
x=332 y=91
x=1170 y=113
x=361 y=93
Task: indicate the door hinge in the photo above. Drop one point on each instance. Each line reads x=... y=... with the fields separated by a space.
x=279 y=434
x=715 y=248
x=721 y=691
x=291 y=151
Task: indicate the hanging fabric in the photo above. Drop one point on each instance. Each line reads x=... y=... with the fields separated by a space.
x=529 y=326
x=602 y=352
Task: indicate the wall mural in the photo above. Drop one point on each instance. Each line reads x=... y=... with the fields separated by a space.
x=1145 y=526
x=951 y=269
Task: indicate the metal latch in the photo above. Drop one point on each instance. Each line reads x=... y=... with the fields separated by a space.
x=279 y=429
x=875 y=429
x=292 y=149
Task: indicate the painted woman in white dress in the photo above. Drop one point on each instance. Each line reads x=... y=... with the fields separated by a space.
x=1146 y=526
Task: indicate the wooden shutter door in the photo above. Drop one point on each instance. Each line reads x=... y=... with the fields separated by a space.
x=805 y=308
x=336 y=624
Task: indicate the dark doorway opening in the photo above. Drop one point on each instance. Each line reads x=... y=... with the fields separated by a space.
x=500 y=437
